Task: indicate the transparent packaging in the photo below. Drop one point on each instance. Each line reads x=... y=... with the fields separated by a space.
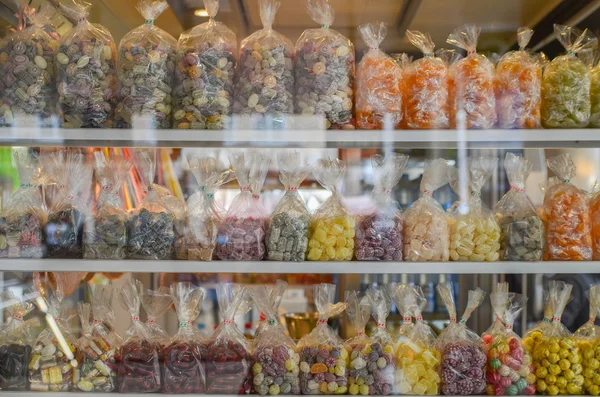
x=359 y=313
x=588 y=340
x=534 y=333
x=275 y=297
x=155 y=304
x=177 y=208
x=595 y=93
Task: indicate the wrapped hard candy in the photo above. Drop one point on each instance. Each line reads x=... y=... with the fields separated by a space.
x=522 y=239
x=227 y=368
x=14 y=366
x=379 y=237
x=462 y=369
x=242 y=239
x=426 y=236
x=323 y=370
x=138 y=368
x=49 y=368
x=22 y=237
x=150 y=235
x=276 y=371
x=287 y=238
x=474 y=240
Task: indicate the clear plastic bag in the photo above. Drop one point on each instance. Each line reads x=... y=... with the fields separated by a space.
x=378 y=83
x=522 y=230
x=474 y=233
x=518 y=85
x=405 y=301
x=242 y=233
x=86 y=60
x=177 y=208
x=566 y=215
x=325 y=68
x=534 y=333
x=332 y=227
x=287 y=237
x=275 y=298
x=359 y=313
x=471 y=83
x=462 y=350
x=155 y=304
x=265 y=74
x=426 y=233
x=322 y=350
x=595 y=219
x=146 y=65
x=381 y=366
x=588 y=340
x=595 y=93
x=566 y=82
x=379 y=232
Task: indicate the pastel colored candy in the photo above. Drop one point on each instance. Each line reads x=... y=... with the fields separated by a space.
x=474 y=239
x=379 y=237
x=332 y=239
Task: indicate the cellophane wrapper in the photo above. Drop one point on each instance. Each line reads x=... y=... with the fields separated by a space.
x=522 y=234
x=145 y=70
x=332 y=227
x=275 y=297
x=322 y=350
x=28 y=76
x=566 y=82
x=379 y=231
x=242 y=233
x=183 y=369
x=426 y=232
x=139 y=367
x=378 y=83
x=177 y=207
x=325 y=70
x=474 y=232
x=275 y=368
x=287 y=237
x=588 y=340
x=463 y=356
x=471 y=83
x=265 y=74
x=595 y=94
x=155 y=303
x=595 y=219
x=228 y=353
x=204 y=75
x=566 y=214
x=534 y=333
x=359 y=313
x=105 y=233
x=86 y=60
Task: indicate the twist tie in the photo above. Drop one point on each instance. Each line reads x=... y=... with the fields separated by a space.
x=325 y=26
x=419 y=318
x=406 y=319
x=452 y=319
x=373 y=48
x=96 y=321
x=202 y=188
x=210 y=195
x=272 y=321
x=547 y=320
x=245 y=189
x=427 y=192
x=556 y=319
x=517 y=189
x=185 y=324
x=471 y=52
x=592 y=319
x=381 y=325
x=17 y=316
x=151 y=320
x=360 y=333
x=567 y=180
x=508 y=326
x=81 y=20
x=70 y=197
x=149 y=22
x=292 y=188
x=256 y=196
x=463 y=321
x=476 y=194
x=427 y=55
x=321 y=321
x=135 y=318
x=228 y=321
x=28 y=185
x=571 y=52
x=106 y=187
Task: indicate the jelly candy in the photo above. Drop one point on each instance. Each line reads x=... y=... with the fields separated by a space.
x=588 y=337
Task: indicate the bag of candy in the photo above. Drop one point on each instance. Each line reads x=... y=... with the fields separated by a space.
x=275 y=298
x=86 y=60
x=379 y=232
x=595 y=93
x=155 y=303
x=588 y=340
x=175 y=206
x=359 y=313
x=325 y=67
x=534 y=334
x=242 y=233
x=382 y=365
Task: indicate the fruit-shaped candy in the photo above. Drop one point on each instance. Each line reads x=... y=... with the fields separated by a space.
x=588 y=340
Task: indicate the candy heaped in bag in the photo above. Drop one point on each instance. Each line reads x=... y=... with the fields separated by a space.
x=378 y=83
x=426 y=232
x=275 y=298
x=287 y=237
x=379 y=232
x=86 y=61
x=322 y=350
x=462 y=350
x=522 y=230
x=588 y=338
x=325 y=67
x=534 y=334
x=155 y=304
x=204 y=75
x=471 y=83
x=146 y=65
x=359 y=313
x=566 y=215
x=566 y=82
x=425 y=87
x=332 y=228
x=381 y=343
x=176 y=207
x=242 y=233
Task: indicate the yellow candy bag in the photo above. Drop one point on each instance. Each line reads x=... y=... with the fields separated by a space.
x=588 y=340
x=534 y=334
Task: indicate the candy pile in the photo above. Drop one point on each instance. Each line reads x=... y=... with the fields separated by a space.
x=588 y=336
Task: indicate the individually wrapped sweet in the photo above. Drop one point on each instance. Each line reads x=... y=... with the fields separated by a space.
x=566 y=82
x=325 y=68
x=566 y=214
x=379 y=231
x=359 y=314
x=204 y=76
x=275 y=297
x=287 y=237
x=462 y=350
x=471 y=83
x=588 y=338
x=155 y=304
x=474 y=232
x=378 y=83
x=521 y=228
x=322 y=351
x=28 y=75
x=595 y=93
x=86 y=60
x=332 y=227
x=145 y=70
x=265 y=73
x=242 y=233
x=426 y=233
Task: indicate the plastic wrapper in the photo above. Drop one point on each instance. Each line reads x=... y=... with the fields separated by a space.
x=242 y=233
x=322 y=350
x=463 y=356
x=265 y=74
x=287 y=237
x=177 y=208
x=325 y=68
x=28 y=75
x=359 y=313
x=588 y=338
x=379 y=232
x=145 y=70
x=332 y=228
x=595 y=94
x=566 y=215
x=474 y=232
x=471 y=83
x=86 y=60
x=566 y=82
x=426 y=233
x=155 y=304
x=595 y=218
x=522 y=230
x=378 y=83
x=275 y=297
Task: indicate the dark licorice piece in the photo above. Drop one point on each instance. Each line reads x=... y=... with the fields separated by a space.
x=64 y=234
x=105 y=238
x=379 y=238
x=14 y=370
x=139 y=368
x=150 y=235
x=182 y=369
x=227 y=368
